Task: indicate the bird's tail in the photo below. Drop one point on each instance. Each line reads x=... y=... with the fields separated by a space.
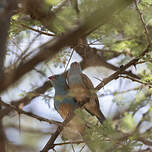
x=94 y=109
x=101 y=117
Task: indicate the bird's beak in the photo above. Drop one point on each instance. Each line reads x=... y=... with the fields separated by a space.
x=51 y=78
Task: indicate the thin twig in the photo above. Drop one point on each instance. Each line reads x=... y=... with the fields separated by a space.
x=40 y=72
x=120 y=92
x=72 y=147
x=41 y=32
x=143 y=22
x=32 y=41
x=82 y=148
x=69 y=60
x=144 y=83
x=141 y=121
x=24 y=53
x=67 y=143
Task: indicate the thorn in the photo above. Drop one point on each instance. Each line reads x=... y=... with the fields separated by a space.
x=19 y=123
x=135 y=66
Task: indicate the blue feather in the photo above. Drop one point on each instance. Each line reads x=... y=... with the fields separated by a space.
x=61 y=92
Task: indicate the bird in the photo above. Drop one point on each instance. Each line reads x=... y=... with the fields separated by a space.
x=77 y=128
x=64 y=105
x=82 y=89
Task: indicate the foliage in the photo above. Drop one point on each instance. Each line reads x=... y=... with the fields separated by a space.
x=123 y=32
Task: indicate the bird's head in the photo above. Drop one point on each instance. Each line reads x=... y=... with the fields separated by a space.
x=58 y=80
x=75 y=66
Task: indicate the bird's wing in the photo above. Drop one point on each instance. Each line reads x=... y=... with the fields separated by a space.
x=87 y=82
x=92 y=106
x=65 y=109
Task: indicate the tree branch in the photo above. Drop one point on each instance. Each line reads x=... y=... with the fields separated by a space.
x=30 y=114
x=143 y=22
x=145 y=141
x=35 y=30
x=49 y=49
x=144 y=83
x=2 y=136
x=7 y=10
x=122 y=69
x=65 y=143
x=91 y=57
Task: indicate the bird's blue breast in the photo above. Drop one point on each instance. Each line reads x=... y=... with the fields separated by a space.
x=65 y=100
x=75 y=79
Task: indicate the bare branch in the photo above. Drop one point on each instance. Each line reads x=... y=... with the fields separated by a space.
x=7 y=10
x=26 y=100
x=35 y=30
x=143 y=22
x=144 y=83
x=66 y=143
x=30 y=114
x=82 y=148
x=145 y=141
x=2 y=136
x=73 y=148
